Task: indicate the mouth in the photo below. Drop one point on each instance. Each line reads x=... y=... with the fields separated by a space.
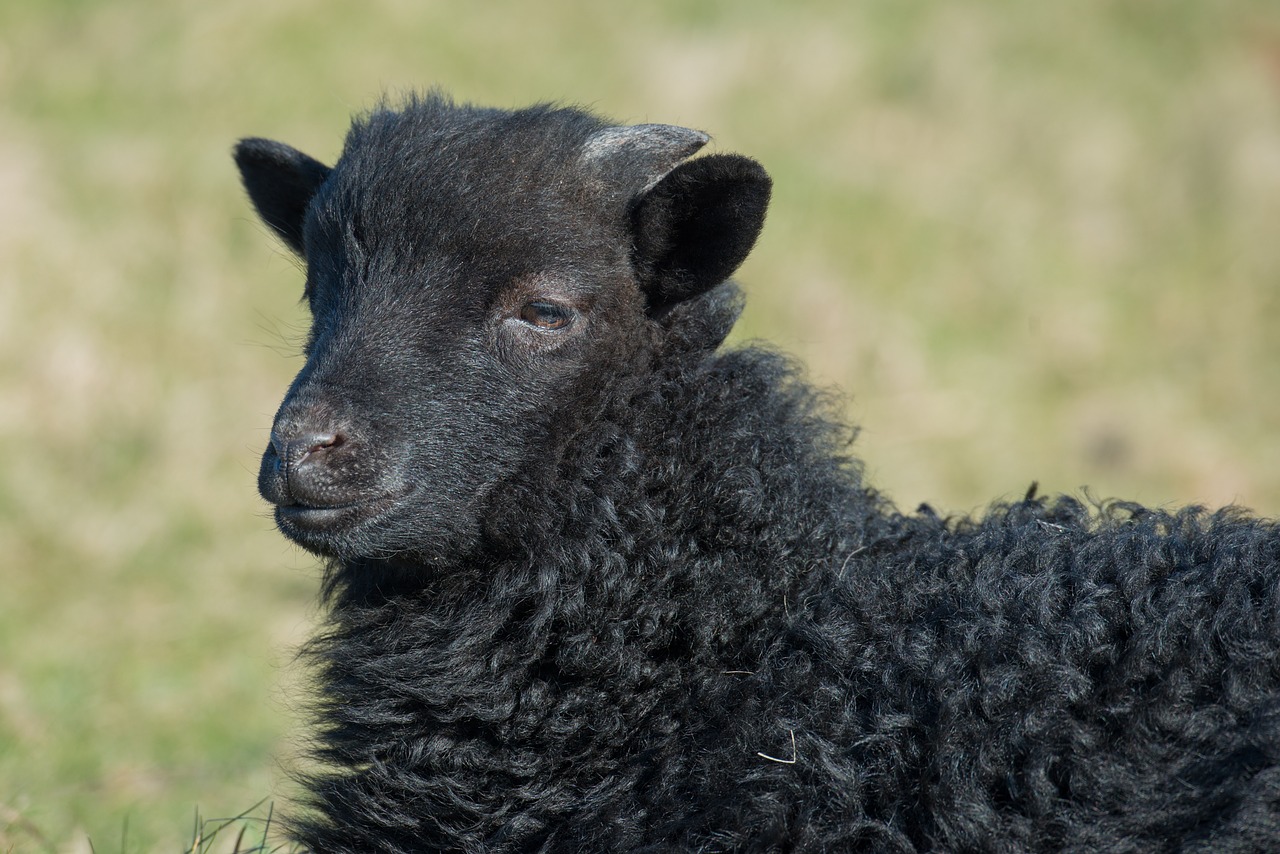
x=322 y=529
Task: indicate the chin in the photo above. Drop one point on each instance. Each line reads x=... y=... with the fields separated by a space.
x=377 y=529
x=345 y=531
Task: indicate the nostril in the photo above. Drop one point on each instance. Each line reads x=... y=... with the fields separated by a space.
x=323 y=442
x=294 y=449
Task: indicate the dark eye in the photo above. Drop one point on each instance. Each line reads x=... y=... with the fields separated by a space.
x=546 y=315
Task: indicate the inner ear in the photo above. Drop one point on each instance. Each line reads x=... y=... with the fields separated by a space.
x=281 y=182
x=694 y=228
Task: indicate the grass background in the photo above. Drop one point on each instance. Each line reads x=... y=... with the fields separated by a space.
x=1031 y=240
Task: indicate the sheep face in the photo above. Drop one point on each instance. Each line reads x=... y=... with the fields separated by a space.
x=477 y=279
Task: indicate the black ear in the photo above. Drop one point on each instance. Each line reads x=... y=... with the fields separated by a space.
x=696 y=225
x=280 y=181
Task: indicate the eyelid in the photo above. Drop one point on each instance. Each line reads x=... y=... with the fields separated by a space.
x=543 y=314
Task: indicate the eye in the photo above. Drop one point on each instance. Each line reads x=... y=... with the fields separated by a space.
x=546 y=315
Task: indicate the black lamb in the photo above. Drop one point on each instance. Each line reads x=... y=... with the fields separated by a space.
x=596 y=583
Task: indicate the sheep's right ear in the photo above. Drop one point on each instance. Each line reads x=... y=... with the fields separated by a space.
x=694 y=227
x=280 y=181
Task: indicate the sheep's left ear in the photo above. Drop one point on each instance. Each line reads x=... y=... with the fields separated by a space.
x=695 y=226
x=280 y=181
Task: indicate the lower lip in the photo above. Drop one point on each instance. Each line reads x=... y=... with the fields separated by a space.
x=328 y=518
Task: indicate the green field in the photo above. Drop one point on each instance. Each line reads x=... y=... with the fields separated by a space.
x=1031 y=241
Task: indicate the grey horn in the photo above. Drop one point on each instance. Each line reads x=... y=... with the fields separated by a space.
x=640 y=155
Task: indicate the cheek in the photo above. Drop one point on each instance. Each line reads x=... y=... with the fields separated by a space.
x=526 y=346
x=467 y=414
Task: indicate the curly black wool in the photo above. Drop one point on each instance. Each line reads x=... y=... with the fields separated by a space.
x=597 y=583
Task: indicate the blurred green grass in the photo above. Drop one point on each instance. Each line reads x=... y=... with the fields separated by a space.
x=1031 y=241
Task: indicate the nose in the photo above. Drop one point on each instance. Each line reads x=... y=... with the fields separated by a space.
x=309 y=467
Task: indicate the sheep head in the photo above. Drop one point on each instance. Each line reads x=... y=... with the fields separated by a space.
x=475 y=279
